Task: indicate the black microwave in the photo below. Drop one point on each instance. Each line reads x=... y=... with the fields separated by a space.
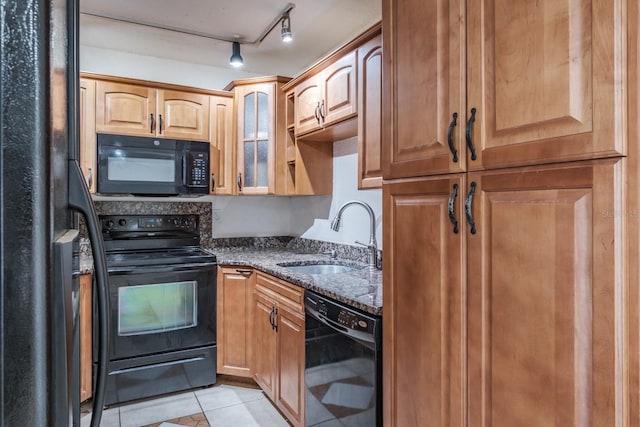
x=152 y=166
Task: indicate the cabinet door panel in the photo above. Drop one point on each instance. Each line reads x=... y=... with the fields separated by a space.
x=124 y=109
x=88 y=148
x=234 y=321
x=546 y=78
x=264 y=356
x=369 y=113
x=184 y=115
x=339 y=86
x=424 y=86
x=222 y=145
x=307 y=98
x=291 y=364
x=424 y=303
x=545 y=322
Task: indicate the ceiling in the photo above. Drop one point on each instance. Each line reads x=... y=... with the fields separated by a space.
x=318 y=26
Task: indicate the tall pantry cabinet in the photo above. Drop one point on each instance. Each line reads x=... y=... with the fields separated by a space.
x=504 y=136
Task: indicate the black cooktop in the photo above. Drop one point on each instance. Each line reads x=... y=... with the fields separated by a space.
x=159 y=257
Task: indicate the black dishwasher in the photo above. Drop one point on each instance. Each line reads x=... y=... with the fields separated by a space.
x=343 y=364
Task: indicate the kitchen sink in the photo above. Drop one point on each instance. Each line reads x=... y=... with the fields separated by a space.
x=309 y=268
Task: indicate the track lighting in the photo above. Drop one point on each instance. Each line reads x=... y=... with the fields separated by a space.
x=236 y=59
x=286 y=28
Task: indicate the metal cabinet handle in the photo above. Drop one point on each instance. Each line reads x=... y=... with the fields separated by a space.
x=239 y=181
x=451 y=205
x=275 y=319
x=160 y=123
x=243 y=271
x=213 y=182
x=452 y=125
x=152 y=124
x=322 y=110
x=472 y=119
x=271 y=314
x=90 y=178
x=316 y=112
x=467 y=207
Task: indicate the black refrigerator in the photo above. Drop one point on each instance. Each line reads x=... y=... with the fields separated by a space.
x=42 y=197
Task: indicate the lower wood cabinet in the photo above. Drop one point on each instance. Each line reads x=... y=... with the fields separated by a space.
x=279 y=343
x=86 y=332
x=235 y=320
x=516 y=316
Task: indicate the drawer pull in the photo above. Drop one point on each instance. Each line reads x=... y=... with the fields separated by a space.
x=472 y=119
x=467 y=207
x=452 y=125
x=451 y=205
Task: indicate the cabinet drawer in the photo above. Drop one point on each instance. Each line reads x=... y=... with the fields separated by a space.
x=281 y=291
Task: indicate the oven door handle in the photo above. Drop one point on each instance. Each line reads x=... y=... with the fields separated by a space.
x=80 y=200
x=166 y=269
x=364 y=338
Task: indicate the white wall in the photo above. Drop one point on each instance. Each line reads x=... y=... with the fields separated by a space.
x=306 y=216
x=123 y=64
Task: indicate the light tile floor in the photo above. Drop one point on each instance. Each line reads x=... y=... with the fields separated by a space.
x=218 y=406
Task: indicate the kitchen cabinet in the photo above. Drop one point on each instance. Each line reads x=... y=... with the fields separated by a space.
x=370 y=113
x=86 y=333
x=88 y=155
x=327 y=97
x=516 y=318
x=543 y=82
x=222 y=159
x=545 y=321
x=261 y=136
x=123 y=108
x=235 y=320
x=280 y=334
x=522 y=106
x=424 y=88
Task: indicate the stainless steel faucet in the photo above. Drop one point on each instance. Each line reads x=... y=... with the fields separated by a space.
x=372 y=245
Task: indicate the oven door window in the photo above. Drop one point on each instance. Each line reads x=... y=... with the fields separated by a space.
x=161 y=307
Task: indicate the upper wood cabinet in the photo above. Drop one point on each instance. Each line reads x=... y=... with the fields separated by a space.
x=370 y=113
x=145 y=111
x=327 y=97
x=543 y=82
x=547 y=80
x=424 y=87
x=222 y=159
x=235 y=320
x=261 y=136
x=88 y=154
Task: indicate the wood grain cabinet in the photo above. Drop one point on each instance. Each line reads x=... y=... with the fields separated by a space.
x=223 y=147
x=88 y=154
x=130 y=109
x=261 y=135
x=328 y=97
x=515 y=319
x=535 y=82
x=370 y=113
x=235 y=320
x=503 y=156
x=279 y=334
x=86 y=334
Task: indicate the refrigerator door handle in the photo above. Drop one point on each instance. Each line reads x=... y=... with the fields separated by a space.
x=80 y=200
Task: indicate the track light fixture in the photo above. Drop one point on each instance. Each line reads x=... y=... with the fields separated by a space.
x=236 y=59
x=286 y=28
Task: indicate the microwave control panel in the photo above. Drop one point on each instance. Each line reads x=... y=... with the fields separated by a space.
x=198 y=170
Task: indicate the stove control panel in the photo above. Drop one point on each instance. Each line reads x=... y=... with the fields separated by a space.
x=149 y=223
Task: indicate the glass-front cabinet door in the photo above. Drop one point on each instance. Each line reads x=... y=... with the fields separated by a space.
x=256 y=139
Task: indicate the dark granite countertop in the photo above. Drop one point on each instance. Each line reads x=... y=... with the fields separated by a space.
x=361 y=289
